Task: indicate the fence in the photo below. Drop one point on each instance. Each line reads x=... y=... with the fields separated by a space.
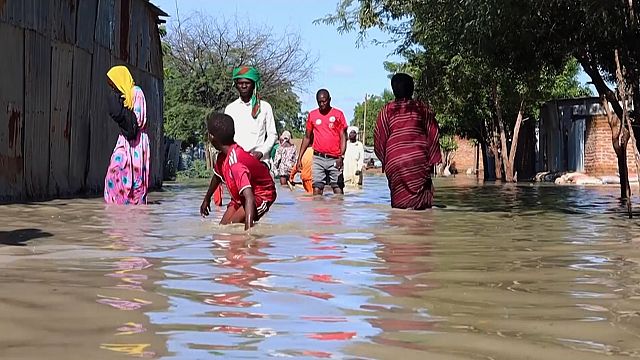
x=56 y=137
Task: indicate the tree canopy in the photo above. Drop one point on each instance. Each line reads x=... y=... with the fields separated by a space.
x=200 y=54
x=374 y=105
x=484 y=66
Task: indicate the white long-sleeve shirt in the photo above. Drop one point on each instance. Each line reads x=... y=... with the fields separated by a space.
x=253 y=134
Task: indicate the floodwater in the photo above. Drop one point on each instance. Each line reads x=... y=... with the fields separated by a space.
x=503 y=272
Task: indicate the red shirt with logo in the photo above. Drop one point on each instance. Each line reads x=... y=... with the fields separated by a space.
x=326 y=131
x=239 y=170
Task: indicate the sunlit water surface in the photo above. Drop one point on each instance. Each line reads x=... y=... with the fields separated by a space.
x=501 y=272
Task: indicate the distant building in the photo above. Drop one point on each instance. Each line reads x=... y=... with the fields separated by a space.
x=56 y=136
x=574 y=136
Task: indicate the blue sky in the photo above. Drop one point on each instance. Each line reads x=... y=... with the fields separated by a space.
x=347 y=71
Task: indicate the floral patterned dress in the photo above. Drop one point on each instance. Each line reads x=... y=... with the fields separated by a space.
x=127 y=180
x=285 y=160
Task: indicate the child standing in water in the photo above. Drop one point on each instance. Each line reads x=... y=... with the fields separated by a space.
x=249 y=182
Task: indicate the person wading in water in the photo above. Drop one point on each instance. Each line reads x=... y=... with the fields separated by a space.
x=407 y=143
x=252 y=117
x=328 y=128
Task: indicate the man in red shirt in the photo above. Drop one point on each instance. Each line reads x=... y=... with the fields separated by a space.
x=328 y=128
x=249 y=182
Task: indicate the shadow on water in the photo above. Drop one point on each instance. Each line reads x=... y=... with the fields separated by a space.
x=19 y=237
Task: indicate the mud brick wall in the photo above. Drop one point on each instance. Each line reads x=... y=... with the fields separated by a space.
x=599 y=157
x=465 y=156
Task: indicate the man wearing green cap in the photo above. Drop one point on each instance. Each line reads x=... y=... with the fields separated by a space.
x=253 y=118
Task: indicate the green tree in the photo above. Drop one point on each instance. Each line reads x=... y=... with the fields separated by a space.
x=200 y=54
x=519 y=45
x=457 y=55
x=374 y=103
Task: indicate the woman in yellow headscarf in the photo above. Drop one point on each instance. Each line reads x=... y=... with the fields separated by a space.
x=127 y=180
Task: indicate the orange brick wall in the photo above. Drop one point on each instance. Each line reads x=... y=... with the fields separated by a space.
x=599 y=157
x=465 y=156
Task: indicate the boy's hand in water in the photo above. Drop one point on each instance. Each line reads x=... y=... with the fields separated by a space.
x=205 y=207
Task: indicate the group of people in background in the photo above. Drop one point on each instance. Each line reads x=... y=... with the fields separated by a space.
x=251 y=154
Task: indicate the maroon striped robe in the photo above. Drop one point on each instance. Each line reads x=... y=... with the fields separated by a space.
x=406 y=141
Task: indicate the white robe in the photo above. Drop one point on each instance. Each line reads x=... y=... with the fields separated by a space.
x=353 y=162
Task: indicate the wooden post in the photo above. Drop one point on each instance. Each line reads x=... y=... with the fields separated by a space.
x=477 y=160
x=364 y=127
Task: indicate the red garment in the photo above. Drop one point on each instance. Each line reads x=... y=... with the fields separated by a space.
x=217 y=196
x=406 y=141
x=326 y=131
x=239 y=170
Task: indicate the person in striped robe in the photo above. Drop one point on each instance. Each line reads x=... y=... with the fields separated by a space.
x=407 y=143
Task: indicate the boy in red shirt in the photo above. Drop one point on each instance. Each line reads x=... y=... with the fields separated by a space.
x=249 y=182
x=328 y=128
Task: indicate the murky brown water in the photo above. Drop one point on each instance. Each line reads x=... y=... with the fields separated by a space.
x=504 y=272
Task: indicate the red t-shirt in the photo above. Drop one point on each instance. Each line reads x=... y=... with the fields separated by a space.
x=326 y=131
x=239 y=170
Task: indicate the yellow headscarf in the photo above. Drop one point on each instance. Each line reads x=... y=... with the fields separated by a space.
x=123 y=80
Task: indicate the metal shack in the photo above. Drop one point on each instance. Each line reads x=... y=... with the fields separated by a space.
x=574 y=135
x=56 y=136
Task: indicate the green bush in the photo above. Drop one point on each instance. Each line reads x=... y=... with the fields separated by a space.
x=197 y=170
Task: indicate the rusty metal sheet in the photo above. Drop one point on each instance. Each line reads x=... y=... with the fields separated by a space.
x=63 y=20
x=105 y=23
x=152 y=88
x=138 y=13
x=103 y=131
x=11 y=112
x=86 y=24
x=155 y=66
x=37 y=16
x=60 y=125
x=121 y=8
x=144 y=41
x=139 y=39
x=37 y=105
x=80 y=120
x=157 y=171
x=12 y=12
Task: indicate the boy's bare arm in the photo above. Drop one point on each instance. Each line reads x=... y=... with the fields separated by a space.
x=205 y=207
x=249 y=208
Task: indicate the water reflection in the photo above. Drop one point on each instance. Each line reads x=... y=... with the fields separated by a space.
x=501 y=272
x=127 y=228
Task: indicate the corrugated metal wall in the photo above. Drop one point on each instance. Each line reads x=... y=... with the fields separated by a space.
x=56 y=137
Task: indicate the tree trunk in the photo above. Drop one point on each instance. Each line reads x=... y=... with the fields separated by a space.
x=207 y=157
x=510 y=176
x=625 y=188
x=210 y=155
x=619 y=139
x=497 y=160
x=499 y=125
x=626 y=119
x=477 y=161
x=619 y=134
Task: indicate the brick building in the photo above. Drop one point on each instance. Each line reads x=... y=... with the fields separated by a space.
x=466 y=155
